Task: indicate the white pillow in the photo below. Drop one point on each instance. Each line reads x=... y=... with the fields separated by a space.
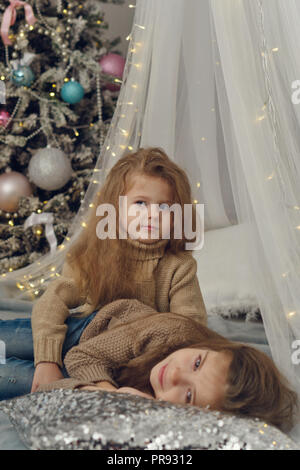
x=225 y=275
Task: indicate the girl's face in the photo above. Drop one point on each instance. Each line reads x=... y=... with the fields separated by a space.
x=148 y=216
x=192 y=376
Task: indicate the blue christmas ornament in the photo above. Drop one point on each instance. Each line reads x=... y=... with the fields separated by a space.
x=72 y=92
x=22 y=76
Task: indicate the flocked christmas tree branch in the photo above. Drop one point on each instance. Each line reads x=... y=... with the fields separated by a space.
x=61 y=87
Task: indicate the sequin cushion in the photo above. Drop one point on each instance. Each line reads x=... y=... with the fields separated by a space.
x=68 y=419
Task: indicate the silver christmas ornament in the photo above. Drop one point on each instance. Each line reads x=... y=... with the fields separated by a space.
x=49 y=169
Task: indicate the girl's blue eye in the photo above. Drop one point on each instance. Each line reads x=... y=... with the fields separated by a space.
x=189 y=396
x=198 y=362
x=164 y=206
x=140 y=202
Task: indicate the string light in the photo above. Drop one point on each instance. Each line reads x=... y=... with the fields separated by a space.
x=124 y=132
x=291 y=314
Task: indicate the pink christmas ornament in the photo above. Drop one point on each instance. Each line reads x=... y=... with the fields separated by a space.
x=4 y=117
x=13 y=185
x=113 y=64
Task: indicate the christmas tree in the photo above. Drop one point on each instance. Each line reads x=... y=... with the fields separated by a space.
x=59 y=87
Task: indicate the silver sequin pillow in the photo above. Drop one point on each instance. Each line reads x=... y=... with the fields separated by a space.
x=66 y=419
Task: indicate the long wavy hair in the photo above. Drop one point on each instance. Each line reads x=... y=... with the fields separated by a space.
x=101 y=268
x=256 y=388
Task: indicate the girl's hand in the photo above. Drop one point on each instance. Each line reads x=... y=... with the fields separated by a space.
x=45 y=373
x=89 y=387
x=99 y=386
x=134 y=391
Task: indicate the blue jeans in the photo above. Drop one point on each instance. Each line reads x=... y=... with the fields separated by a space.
x=17 y=359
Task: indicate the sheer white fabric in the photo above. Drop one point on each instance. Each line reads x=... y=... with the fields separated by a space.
x=210 y=81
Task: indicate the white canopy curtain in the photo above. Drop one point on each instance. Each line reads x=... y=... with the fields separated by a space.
x=210 y=81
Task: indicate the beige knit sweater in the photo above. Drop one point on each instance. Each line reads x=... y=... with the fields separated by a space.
x=121 y=331
x=168 y=283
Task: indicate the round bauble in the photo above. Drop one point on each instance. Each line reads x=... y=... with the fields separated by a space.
x=113 y=64
x=49 y=169
x=13 y=185
x=72 y=92
x=22 y=76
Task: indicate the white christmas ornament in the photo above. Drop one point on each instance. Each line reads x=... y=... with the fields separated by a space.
x=49 y=169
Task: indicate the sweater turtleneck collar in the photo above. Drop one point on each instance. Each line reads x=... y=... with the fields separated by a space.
x=146 y=251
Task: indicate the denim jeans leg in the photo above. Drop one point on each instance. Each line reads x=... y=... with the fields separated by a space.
x=16 y=377
x=17 y=367
x=76 y=326
x=16 y=337
x=17 y=355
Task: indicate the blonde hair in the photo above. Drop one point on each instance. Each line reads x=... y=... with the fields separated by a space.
x=102 y=268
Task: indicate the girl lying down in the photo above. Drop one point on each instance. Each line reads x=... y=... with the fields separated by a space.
x=130 y=348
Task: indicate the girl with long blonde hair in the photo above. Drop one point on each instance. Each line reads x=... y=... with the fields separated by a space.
x=156 y=269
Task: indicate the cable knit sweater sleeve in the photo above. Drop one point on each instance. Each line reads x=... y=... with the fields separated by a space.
x=185 y=294
x=49 y=314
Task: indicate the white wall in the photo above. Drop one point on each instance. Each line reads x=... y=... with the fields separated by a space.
x=119 y=18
